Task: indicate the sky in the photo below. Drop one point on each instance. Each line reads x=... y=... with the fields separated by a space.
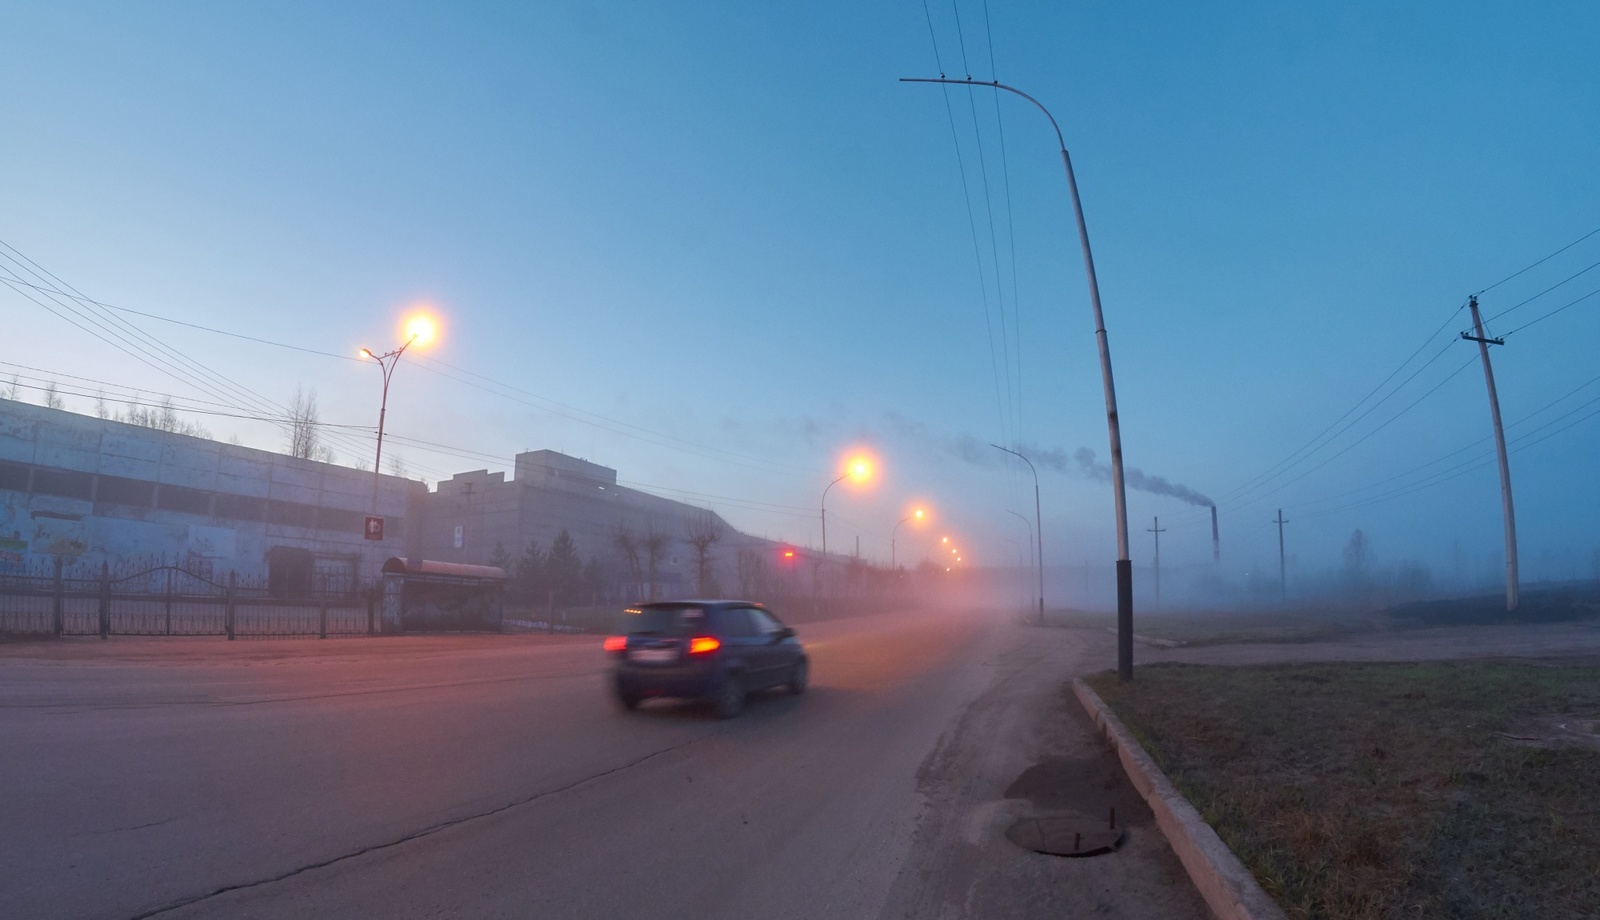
x=719 y=247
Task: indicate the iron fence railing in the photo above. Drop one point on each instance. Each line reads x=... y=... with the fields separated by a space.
x=171 y=600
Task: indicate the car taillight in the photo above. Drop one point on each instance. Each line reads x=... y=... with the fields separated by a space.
x=616 y=643
x=704 y=645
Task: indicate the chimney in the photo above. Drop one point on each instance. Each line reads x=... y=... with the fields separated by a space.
x=1216 y=544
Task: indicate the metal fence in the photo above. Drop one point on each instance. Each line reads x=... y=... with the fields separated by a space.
x=171 y=600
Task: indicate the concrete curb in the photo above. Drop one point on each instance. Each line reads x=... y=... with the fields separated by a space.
x=1152 y=641
x=1227 y=886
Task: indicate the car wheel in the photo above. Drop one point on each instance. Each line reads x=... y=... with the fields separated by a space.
x=628 y=701
x=728 y=699
x=798 y=677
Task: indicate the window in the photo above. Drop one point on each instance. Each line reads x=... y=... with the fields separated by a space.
x=14 y=476
x=764 y=622
x=136 y=493
x=736 y=623
x=241 y=507
x=184 y=499
x=293 y=514
x=65 y=483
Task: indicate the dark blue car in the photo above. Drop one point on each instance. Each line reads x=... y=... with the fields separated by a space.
x=719 y=651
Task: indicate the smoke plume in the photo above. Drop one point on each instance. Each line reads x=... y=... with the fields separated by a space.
x=1138 y=479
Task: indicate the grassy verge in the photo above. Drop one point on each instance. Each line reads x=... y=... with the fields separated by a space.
x=1215 y=628
x=1375 y=791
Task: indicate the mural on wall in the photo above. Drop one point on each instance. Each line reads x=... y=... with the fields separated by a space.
x=13 y=548
x=59 y=534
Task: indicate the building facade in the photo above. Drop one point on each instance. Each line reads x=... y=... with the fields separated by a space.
x=86 y=490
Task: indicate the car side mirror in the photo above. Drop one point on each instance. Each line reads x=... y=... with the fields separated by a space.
x=785 y=633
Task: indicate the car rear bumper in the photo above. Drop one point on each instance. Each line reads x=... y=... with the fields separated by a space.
x=679 y=682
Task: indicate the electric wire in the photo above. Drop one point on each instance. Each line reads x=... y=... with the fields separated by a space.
x=1538 y=263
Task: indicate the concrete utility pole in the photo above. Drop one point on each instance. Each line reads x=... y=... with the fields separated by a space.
x=1119 y=492
x=1500 y=446
x=1157 y=529
x=1283 y=571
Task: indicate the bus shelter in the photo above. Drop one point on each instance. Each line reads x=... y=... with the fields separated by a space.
x=428 y=596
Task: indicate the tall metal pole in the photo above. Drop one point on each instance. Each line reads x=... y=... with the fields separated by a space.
x=895 y=533
x=1283 y=571
x=386 y=363
x=1500 y=447
x=1156 y=529
x=1119 y=491
x=1038 y=522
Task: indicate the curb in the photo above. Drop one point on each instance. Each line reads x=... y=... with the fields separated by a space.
x=1152 y=641
x=1227 y=886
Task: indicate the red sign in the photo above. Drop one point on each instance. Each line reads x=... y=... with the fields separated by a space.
x=374 y=529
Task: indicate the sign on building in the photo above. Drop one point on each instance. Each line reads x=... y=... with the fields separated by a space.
x=374 y=528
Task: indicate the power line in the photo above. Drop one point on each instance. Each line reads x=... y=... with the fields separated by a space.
x=1551 y=313
x=1547 y=290
x=1538 y=263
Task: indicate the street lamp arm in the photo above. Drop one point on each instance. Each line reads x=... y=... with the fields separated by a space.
x=995 y=85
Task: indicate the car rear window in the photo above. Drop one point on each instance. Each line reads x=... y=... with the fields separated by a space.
x=673 y=620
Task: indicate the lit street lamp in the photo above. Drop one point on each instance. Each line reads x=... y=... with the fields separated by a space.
x=916 y=515
x=1118 y=490
x=420 y=330
x=860 y=469
x=1038 y=522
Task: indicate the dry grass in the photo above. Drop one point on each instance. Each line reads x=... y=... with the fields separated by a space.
x=1386 y=791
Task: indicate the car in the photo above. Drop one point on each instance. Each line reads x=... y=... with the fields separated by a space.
x=716 y=650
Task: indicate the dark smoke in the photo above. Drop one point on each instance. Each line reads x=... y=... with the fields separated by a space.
x=1138 y=479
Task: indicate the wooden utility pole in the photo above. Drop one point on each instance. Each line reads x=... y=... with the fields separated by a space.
x=1283 y=570
x=1157 y=529
x=1500 y=446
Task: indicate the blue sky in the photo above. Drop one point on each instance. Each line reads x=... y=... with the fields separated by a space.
x=727 y=230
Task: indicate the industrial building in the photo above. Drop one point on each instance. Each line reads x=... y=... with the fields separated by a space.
x=89 y=490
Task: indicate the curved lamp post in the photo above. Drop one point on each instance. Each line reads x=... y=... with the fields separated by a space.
x=419 y=329
x=916 y=515
x=1119 y=492
x=1029 y=531
x=1038 y=522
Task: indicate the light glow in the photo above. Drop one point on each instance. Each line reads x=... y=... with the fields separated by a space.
x=421 y=329
x=704 y=645
x=616 y=643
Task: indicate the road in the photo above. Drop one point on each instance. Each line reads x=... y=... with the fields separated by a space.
x=491 y=776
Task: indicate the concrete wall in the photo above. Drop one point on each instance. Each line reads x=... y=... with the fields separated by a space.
x=93 y=490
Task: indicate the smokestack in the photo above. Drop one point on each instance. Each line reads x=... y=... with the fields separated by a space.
x=1216 y=544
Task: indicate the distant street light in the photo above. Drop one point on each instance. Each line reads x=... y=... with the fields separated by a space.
x=420 y=330
x=1118 y=490
x=860 y=470
x=1038 y=521
x=1031 y=560
x=916 y=515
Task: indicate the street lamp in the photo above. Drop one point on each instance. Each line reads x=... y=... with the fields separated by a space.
x=1029 y=531
x=860 y=469
x=420 y=330
x=1119 y=492
x=916 y=515
x=1038 y=522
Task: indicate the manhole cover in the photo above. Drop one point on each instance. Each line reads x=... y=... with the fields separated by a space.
x=1063 y=836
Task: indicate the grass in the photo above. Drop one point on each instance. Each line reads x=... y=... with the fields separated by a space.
x=1215 y=628
x=1357 y=792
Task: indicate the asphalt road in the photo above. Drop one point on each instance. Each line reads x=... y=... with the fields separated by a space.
x=492 y=777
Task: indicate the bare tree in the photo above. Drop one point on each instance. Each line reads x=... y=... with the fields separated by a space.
x=163 y=417
x=11 y=391
x=704 y=532
x=303 y=431
x=628 y=545
x=397 y=467
x=751 y=565
x=655 y=545
x=52 y=399
x=100 y=407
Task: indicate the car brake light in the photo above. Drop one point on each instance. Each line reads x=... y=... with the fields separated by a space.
x=704 y=645
x=616 y=643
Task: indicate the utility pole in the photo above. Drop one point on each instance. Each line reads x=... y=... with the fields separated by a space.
x=1283 y=571
x=1500 y=446
x=1157 y=529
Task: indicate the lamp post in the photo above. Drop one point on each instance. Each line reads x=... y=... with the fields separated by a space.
x=913 y=516
x=1038 y=522
x=420 y=329
x=1029 y=531
x=1119 y=492
x=859 y=470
